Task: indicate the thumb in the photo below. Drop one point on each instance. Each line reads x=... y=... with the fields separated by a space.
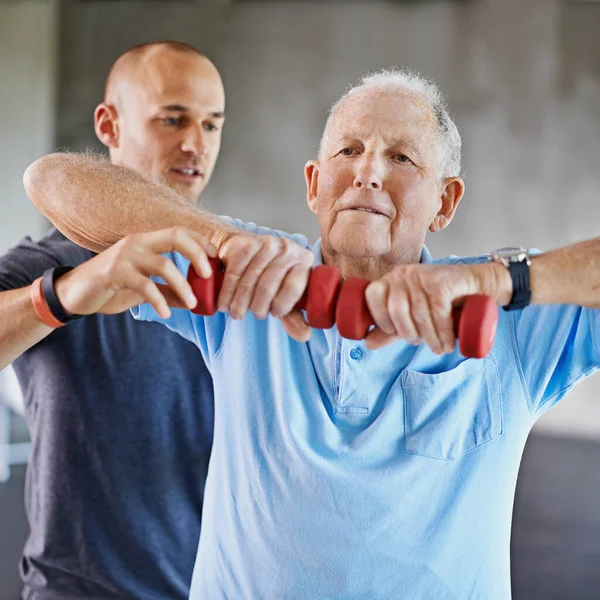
x=377 y=338
x=171 y=297
x=295 y=326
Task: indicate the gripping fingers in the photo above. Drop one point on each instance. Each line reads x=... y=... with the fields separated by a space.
x=247 y=284
x=192 y=245
x=197 y=249
x=423 y=319
x=296 y=326
x=237 y=261
x=441 y=312
x=377 y=338
x=150 y=293
x=204 y=242
x=160 y=266
x=267 y=286
x=384 y=333
x=376 y=296
x=399 y=310
x=290 y=288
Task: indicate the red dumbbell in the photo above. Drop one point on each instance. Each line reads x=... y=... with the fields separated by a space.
x=328 y=302
x=475 y=322
x=319 y=298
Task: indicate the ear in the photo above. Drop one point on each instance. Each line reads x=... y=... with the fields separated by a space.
x=106 y=125
x=453 y=190
x=311 y=174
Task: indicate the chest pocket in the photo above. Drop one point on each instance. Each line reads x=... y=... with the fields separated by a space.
x=449 y=414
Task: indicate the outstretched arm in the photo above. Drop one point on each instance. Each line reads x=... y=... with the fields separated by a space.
x=414 y=302
x=95 y=203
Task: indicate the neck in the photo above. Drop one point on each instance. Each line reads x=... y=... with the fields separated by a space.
x=368 y=268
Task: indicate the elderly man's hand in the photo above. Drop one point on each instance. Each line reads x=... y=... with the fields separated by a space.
x=265 y=274
x=414 y=302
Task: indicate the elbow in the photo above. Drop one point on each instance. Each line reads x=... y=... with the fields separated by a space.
x=30 y=177
x=41 y=177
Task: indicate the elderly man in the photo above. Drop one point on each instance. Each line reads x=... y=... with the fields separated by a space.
x=121 y=442
x=341 y=471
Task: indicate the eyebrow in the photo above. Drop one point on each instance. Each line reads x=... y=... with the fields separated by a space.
x=185 y=109
x=354 y=135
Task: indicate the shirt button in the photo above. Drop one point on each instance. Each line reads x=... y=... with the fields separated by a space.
x=356 y=353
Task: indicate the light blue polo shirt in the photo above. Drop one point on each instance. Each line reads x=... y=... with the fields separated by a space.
x=339 y=473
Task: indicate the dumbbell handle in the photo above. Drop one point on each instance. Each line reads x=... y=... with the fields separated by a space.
x=475 y=323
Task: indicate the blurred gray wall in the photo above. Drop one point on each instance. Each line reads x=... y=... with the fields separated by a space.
x=523 y=79
x=27 y=107
x=28 y=81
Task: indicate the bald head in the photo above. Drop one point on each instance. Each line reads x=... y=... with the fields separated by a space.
x=162 y=114
x=134 y=67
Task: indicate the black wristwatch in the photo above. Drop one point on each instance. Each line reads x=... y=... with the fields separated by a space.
x=517 y=261
x=56 y=308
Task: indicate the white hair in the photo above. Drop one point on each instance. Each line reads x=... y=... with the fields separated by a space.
x=402 y=81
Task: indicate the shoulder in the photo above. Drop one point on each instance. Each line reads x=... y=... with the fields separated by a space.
x=250 y=227
x=28 y=259
x=470 y=260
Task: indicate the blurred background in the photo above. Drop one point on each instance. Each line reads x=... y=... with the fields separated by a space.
x=523 y=80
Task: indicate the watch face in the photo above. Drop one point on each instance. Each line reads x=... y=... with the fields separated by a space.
x=511 y=254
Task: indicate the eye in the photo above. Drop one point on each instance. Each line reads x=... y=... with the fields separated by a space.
x=210 y=127
x=402 y=158
x=348 y=152
x=172 y=121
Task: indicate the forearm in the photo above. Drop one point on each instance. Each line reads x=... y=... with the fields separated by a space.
x=568 y=275
x=20 y=327
x=95 y=203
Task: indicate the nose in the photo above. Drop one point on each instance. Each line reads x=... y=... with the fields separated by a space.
x=193 y=141
x=369 y=174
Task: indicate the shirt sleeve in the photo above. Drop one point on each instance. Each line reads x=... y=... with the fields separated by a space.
x=208 y=333
x=28 y=260
x=557 y=347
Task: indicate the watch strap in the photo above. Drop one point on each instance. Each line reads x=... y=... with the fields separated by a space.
x=48 y=282
x=521 y=296
x=41 y=306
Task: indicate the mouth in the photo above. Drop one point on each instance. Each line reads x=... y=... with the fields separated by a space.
x=364 y=209
x=188 y=174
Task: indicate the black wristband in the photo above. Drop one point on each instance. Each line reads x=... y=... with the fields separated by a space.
x=519 y=273
x=56 y=308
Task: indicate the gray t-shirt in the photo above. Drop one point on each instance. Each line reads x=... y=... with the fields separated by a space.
x=121 y=418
